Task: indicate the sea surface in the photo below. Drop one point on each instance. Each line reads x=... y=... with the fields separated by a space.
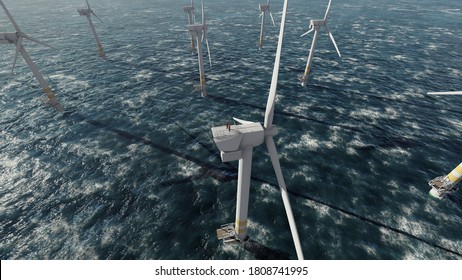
x=130 y=170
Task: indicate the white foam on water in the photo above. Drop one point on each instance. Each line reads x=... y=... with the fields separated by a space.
x=306 y=142
x=266 y=193
x=143 y=75
x=188 y=169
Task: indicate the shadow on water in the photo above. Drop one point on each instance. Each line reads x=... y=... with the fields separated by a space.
x=262 y=252
x=222 y=174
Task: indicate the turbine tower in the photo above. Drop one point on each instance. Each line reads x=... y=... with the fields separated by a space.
x=236 y=142
x=88 y=12
x=315 y=25
x=263 y=9
x=199 y=31
x=17 y=38
x=191 y=21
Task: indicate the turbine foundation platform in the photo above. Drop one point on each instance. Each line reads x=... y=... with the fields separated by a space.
x=227 y=233
x=441 y=187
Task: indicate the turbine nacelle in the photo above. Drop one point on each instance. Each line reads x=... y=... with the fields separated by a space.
x=264 y=7
x=317 y=23
x=85 y=12
x=188 y=9
x=232 y=139
x=196 y=29
x=9 y=37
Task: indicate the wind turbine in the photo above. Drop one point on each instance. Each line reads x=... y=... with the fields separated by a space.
x=263 y=9
x=191 y=20
x=315 y=25
x=88 y=12
x=236 y=142
x=199 y=31
x=17 y=38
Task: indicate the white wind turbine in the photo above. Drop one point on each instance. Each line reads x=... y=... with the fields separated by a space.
x=263 y=9
x=191 y=20
x=199 y=31
x=236 y=142
x=315 y=25
x=88 y=12
x=16 y=38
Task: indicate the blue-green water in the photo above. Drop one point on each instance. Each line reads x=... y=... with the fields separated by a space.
x=131 y=170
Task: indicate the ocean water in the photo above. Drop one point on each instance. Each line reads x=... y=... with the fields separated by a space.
x=130 y=171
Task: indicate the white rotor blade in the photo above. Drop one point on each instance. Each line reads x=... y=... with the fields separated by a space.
x=272 y=19
x=193 y=13
x=261 y=14
x=203 y=13
x=333 y=41
x=96 y=16
x=445 y=93
x=88 y=5
x=327 y=10
x=10 y=17
x=306 y=33
x=18 y=48
x=37 y=41
x=285 y=196
x=242 y=121
x=269 y=113
x=208 y=50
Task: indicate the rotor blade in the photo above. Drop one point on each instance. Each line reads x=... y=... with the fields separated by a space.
x=18 y=48
x=10 y=17
x=96 y=16
x=203 y=13
x=327 y=10
x=285 y=196
x=333 y=41
x=208 y=50
x=261 y=14
x=88 y=5
x=272 y=19
x=306 y=33
x=445 y=93
x=269 y=113
x=37 y=41
x=242 y=121
x=193 y=13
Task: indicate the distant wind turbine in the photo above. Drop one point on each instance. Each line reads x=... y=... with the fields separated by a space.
x=199 y=31
x=88 y=12
x=17 y=38
x=236 y=142
x=315 y=25
x=191 y=20
x=263 y=9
